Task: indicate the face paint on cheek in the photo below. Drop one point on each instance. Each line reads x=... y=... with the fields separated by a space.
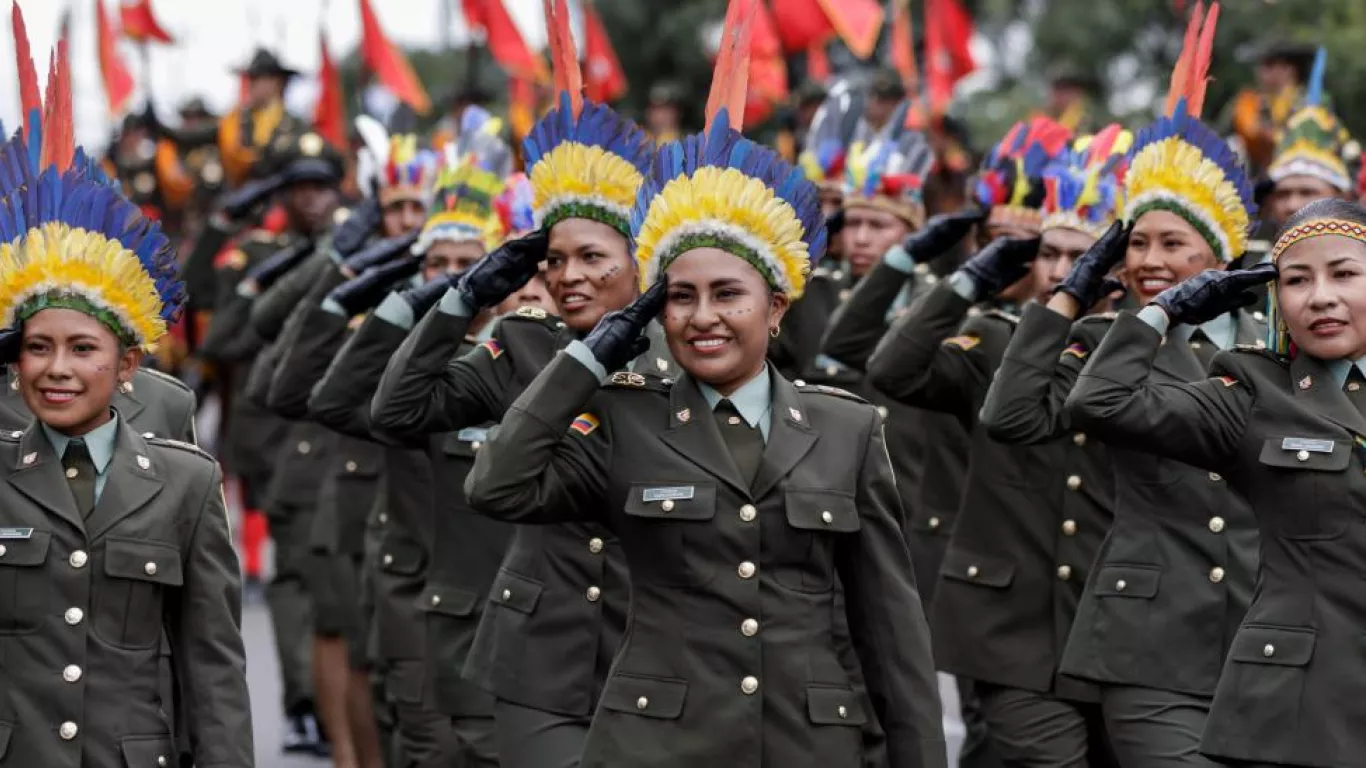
x=606 y=277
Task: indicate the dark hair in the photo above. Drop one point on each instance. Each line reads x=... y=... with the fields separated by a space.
x=1327 y=208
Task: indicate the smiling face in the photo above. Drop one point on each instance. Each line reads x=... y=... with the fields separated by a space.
x=69 y=367
x=868 y=233
x=1321 y=294
x=589 y=271
x=1164 y=249
x=718 y=317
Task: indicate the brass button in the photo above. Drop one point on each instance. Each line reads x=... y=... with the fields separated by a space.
x=351 y=466
x=388 y=559
x=748 y=513
x=972 y=571
x=68 y=731
x=1259 y=316
x=934 y=522
x=843 y=712
x=749 y=685
x=72 y=472
x=507 y=594
x=1073 y=482
x=150 y=569
x=1064 y=572
x=1216 y=574
x=746 y=570
x=667 y=505
x=749 y=627
x=1216 y=524
x=161 y=761
x=2 y=550
x=476 y=445
x=74 y=616
x=594 y=594
x=1302 y=456
x=384 y=518
x=1069 y=527
x=436 y=599
x=882 y=411
x=1079 y=439
x=642 y=703
x=304 y=446
x=1215 y=477
x=71 y=674
x=831 y=370
x=827 y=518
x=1121 y=585
x=78 y=559
x=595 y=545
x=1268 y=650
x=1353 y=386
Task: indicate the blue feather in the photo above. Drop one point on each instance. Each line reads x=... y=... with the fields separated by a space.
x=1313 y=95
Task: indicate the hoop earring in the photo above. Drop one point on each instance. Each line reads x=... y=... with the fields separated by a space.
x=774 y=331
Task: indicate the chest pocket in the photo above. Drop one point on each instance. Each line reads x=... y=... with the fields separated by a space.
x=128 y=600
x=671 y=524
x=1312 y=472
x=465 y=443
x=802 y=554
x=24 y=585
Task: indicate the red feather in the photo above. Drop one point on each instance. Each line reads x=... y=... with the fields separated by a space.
x=1181 y=72
x=1051 y=135
x=29 y=96
x=1198 y=76
x=59 y=136
x=564 y=57
x=1102 y=143
x=730 y=78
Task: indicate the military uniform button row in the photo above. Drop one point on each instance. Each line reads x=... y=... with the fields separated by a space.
x=68 y=731
x=1073 y=482
x=384 y=518
x=1064 y=572
x=74 y=616
x=748 y=513
x=72 y=674
x=1069 y=527
x=1216 y=574
x=934 y=522
x=595 y=545
x=1216 y=524
x=749 y=627
x=594 y=594
x=78 y=559
x=749 y=685
x=1079 y=439
x=746 y=570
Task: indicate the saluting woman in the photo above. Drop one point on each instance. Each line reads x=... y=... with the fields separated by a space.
x=1285 y=426
x=774 y=617
x=107 y=537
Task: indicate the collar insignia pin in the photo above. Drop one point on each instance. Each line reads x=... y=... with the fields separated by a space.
x=144 y=462
x=1306 y=382
x=796 y=414
x=661 y=364
x=684 y=415
x=29 y=458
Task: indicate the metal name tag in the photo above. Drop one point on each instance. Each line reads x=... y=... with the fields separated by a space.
x=1306 y=444
x=472 y=435
x=16 y=533
x=669 y=494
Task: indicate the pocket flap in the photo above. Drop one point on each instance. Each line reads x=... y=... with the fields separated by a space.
x=1306 y=453
x=826 y=705
x=1138 y=581
x=817 y=510
x=1281 y=646
x=25 y=552
x=148 y=750
x=447 y=601
x=961 y=565
x=516 y=592
x=401 y=555
x=672 y=501
x=143 y=561
x=659 y=697
x=5 y=730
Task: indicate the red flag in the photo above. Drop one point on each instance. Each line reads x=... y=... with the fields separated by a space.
x=903 y=45
x=767 y=69
x=504 y=40
x=817 y=63
x=801 y=23
x=388 y=63
x=948 y=59
x=118 y=83
x=603 y=79
x=329 y=114
x=140 y=24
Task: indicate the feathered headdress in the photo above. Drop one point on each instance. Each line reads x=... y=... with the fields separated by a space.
x=1178 y=164
x=1010 y=184
x=397 y=166
x=1084 y=188
x=584 y=160
x=516 y=206
x=1313 y=139
x=68 y=238
x=889 y=173
x=718 y=189
x=831 y=132
x=463 y=206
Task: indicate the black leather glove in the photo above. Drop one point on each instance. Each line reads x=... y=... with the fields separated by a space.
x=997 y=266
x=367 y=291
x=1088 y=282
x=351 y=235
x=240 y=203
x=427 y=295
x=11 y=341
x=496 y=276
x=941 y=233
x=616 y=340
x=379 y=253
x=265 y=272
x=1213 y=293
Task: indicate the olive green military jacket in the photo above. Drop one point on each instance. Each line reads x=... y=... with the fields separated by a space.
x=735 y=653
x=84 y=603
x=1284 y=435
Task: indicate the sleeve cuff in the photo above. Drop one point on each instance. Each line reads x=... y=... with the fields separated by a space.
x=897 y=258
x=1155 y=318
x=331 y=306
x=580 y=351
x=394 y=311
x=452 y=303
x=963 y=286
x=336 y=257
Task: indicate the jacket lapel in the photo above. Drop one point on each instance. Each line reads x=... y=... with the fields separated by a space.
x=1250 y=328
x=1176 y=359
x=1311 y=380
x=656 y=360
x=38 y=475
x=127 y=403
x=692 y=432
x=130 y=482
x=790 y=437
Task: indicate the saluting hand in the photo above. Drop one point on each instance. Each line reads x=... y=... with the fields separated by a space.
x=428 y=295
x=1213 y=293
x=238 y=204
x=380 y=253
x=1088 y=282
x=351 y=234
x=268 y=270
x=496 y=276
x=366 y=291
x=997 y=266
x=616 y=340
x=941 y=233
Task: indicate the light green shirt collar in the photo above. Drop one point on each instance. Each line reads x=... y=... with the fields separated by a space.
x=1342 y=368
x=99 y=441
x=754 y=400
x=1221 y=330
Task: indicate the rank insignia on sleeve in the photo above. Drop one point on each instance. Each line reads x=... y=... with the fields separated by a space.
x=534 y=313
x=1227 y=381
x=495 y=349
x=963 y=342
x=585 y=423
x=1076 y=350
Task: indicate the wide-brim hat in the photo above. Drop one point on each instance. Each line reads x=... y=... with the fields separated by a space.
x=265 y=64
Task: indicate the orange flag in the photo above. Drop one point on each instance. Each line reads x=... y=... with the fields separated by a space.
x=504 y=40
x=948 y=59
x=603 y=78
x=804 y=22
x=140 y=24
x=329 y=114
x=903 y=45
x=118 y=83
x=767 y=69
x=389 y=64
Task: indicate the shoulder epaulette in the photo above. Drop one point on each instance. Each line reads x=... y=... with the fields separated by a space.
x=630 y=380
x=168 y=378
x=1261 y=351
x=823 y=389
x=1001 y=314
x=167 y=442
x=1099 y=317
x=534 y=315
x=11 y=435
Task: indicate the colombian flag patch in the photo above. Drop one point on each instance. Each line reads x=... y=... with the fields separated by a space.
x=495 y=349
x=963 y=342
x=1076 y=350
x=585 y=423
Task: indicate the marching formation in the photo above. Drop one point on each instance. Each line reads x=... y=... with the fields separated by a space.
x=620 y=448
